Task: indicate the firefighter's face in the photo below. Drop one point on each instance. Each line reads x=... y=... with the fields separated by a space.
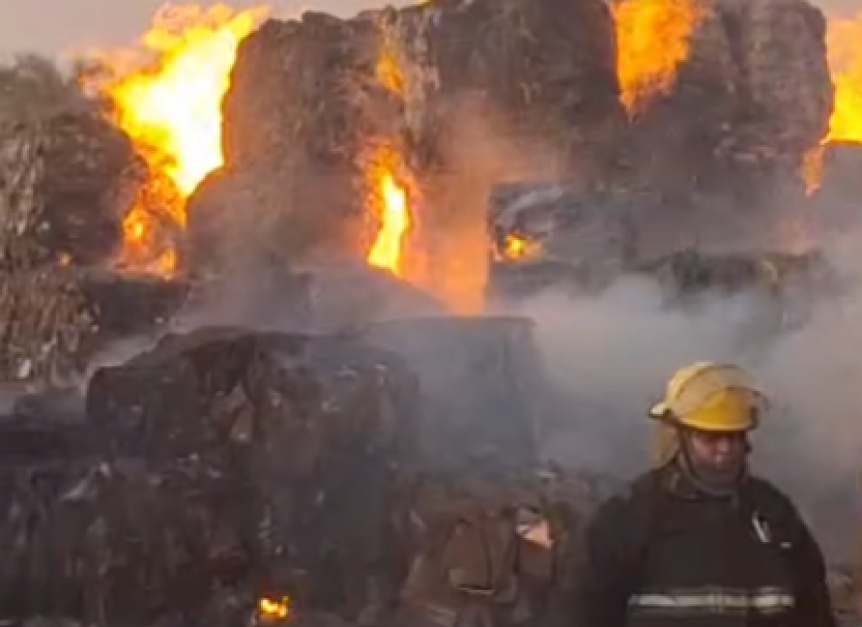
x=724 y=453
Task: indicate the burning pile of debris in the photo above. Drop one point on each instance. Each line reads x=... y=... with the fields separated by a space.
x=225 y=468
x=351 y=466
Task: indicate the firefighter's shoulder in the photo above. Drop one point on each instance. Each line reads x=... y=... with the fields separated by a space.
x=631 y=499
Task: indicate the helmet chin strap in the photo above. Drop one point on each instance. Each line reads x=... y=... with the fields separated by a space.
x=709 y=480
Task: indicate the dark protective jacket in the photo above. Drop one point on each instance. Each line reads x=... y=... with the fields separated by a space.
x=664 y=554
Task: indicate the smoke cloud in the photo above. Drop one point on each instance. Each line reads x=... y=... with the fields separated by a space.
x=608 y=358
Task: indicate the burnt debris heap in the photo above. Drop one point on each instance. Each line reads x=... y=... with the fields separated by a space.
x=353 y=464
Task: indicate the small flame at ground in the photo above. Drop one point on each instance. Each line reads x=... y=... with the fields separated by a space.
x=169 y=102
x=515 y=247
x=653 y=38
x=274 y=609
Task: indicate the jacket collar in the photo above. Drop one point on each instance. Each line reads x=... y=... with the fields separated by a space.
x=677 y=482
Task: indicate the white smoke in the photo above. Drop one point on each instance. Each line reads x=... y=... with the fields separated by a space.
x=608 y=359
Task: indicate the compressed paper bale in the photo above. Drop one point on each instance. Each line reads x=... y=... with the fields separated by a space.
x=42 y=526
x=546 y=69
x=68 y=176
x=82 y=534
x=752 y=95
x=179 y=530
x=54 y=320
x=321 y=428
x=322 y=105
x=546 y=233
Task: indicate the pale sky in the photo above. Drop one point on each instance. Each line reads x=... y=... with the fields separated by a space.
x=56 y=26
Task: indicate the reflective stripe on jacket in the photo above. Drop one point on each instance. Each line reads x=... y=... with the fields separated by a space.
x=663 y=554
x=713 y=600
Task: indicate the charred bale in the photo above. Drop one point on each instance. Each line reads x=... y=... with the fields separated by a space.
x=297 y=118
x=479 y=385
x=82 y=534
x=545 y=70
x=178 y=530
x=320 y=428
x=447 y=96
x=43 y=457
x=56 y=320
x=546 y=234
x=66 y=175
x=753 y=94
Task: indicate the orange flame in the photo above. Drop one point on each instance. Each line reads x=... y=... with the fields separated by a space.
x=167 y=96
x=845 y=64
x=386 y=251
x=389 y=202
x=274 y=609
x=385 y=174
x=844 y=54
x=653 y=38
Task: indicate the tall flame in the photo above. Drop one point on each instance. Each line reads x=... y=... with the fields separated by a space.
x=845 y=64
x=844 y=54
x=388 y=201
x=167 y=96
x=386 y=251
x=385 y=174
x=653 y=38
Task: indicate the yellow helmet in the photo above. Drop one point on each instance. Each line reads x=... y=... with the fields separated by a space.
x=711 y=397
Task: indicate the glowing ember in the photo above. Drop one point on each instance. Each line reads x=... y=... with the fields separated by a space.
x=274 y=609
x=653 y=38
x=515 y=247
x=812 y=168
x=167 y=97
x=844 y=41
x=388 y=71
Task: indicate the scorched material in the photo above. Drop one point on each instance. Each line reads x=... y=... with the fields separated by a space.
x=319 y=107
x=751 y=97
x=548 y=234
x=54 y=320
x=319 y=430
x=303 y=103
x=66 y=175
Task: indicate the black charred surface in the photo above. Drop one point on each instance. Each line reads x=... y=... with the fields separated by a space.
x=300 y=448
x=67 y=175
x=55 y=321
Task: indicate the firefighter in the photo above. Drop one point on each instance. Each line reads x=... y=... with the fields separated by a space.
x=698 y=540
